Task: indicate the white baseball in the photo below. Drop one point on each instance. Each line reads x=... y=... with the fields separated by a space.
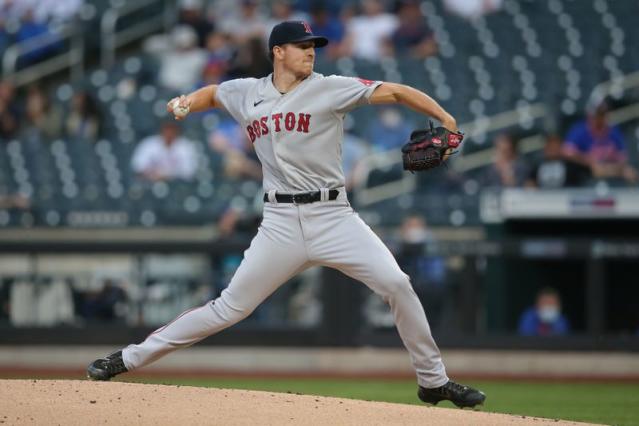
x=179 y=111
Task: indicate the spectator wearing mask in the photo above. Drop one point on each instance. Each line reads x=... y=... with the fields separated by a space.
x=368 y=34
x=413 y=37
x=165 y=156
x=83 y=121
x=545 y=318
x=42 y=120
x=595 y=143
x=507 y=169
x=556 y=171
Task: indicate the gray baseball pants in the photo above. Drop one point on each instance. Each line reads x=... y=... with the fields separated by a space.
x=290 y=239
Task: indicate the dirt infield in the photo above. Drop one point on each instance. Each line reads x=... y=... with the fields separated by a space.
x=82 y=402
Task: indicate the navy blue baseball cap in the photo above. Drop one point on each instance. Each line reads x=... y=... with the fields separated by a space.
x=294 y=32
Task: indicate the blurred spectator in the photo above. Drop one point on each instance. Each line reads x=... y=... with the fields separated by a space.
x=56 y=11
x=191 y=15
x=282 y=10
x=46 y=303
x=16 y=201
x=32 y=29
x=83 y=121
x=554 y=170
x=545 y=318
x=595 y=143
x=368 y=34
x=165 y=156
x=413 y=37
x=218 y=46
x=472 y=9
x=327 y=25
x=219 y=55
x=182 y=64
x=427 y=273
x=9 y=114
x=107 y=304
x=214 y=72
x=251 y=60
x=41 y=119
x=507 y=169
x=44 y=11
x=5 y=38
x=250 y=23
x=240 y=159
x=354 y=150
x=389 y=131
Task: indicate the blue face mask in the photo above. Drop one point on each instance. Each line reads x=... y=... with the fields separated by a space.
x=548 y=314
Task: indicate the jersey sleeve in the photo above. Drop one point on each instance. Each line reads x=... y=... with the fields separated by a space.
x=347 y=93
x=231 y=94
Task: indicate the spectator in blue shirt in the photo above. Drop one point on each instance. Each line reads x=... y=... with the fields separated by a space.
x=327 y=25
x=390 y=131
x=545 y=318
x=31 y=29
x=412 y=36
x=596 y=144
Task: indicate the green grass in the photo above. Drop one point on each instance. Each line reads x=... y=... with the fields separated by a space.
x=607 y=403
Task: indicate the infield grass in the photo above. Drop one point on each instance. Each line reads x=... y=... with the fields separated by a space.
x=606 y=403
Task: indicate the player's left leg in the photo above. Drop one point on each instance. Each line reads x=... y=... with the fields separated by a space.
x=353 y=248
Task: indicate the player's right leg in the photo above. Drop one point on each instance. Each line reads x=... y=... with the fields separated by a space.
x=276 y=254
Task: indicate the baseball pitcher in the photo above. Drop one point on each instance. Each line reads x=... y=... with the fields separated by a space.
x=294 y=118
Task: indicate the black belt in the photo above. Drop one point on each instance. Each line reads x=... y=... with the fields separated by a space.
x=303 y=197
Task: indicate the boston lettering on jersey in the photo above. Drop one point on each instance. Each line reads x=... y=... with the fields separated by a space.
x=289 y=122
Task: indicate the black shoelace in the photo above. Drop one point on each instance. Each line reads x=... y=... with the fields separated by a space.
x=114 y=365
x=456 y=388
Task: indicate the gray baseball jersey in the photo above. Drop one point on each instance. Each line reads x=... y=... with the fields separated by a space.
x=274 y=121
x=298 y=138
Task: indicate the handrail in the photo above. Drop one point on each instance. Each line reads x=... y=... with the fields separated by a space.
x=112 y=39
x=73 y=57
x=612 y=86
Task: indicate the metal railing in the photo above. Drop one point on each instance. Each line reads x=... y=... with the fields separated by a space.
x=71 y=58
x=113 y=38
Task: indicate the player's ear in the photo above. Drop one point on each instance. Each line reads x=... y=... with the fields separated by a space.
x=278 y=52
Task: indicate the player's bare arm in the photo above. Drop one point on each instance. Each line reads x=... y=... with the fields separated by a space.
x=395 y=93
x=200 y=100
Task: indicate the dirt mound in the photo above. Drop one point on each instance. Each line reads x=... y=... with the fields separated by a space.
x=83 y=402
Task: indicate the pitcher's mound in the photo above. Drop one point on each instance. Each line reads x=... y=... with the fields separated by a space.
x=70 y=402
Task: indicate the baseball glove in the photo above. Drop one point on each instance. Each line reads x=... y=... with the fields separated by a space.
x=429 y=148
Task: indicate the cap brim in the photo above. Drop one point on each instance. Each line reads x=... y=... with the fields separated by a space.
x=318 y=40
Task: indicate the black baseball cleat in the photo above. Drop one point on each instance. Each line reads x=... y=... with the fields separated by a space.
x=460 y=395
x=106 y=368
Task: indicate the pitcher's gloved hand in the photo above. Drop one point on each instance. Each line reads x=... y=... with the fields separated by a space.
x=429 y=148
